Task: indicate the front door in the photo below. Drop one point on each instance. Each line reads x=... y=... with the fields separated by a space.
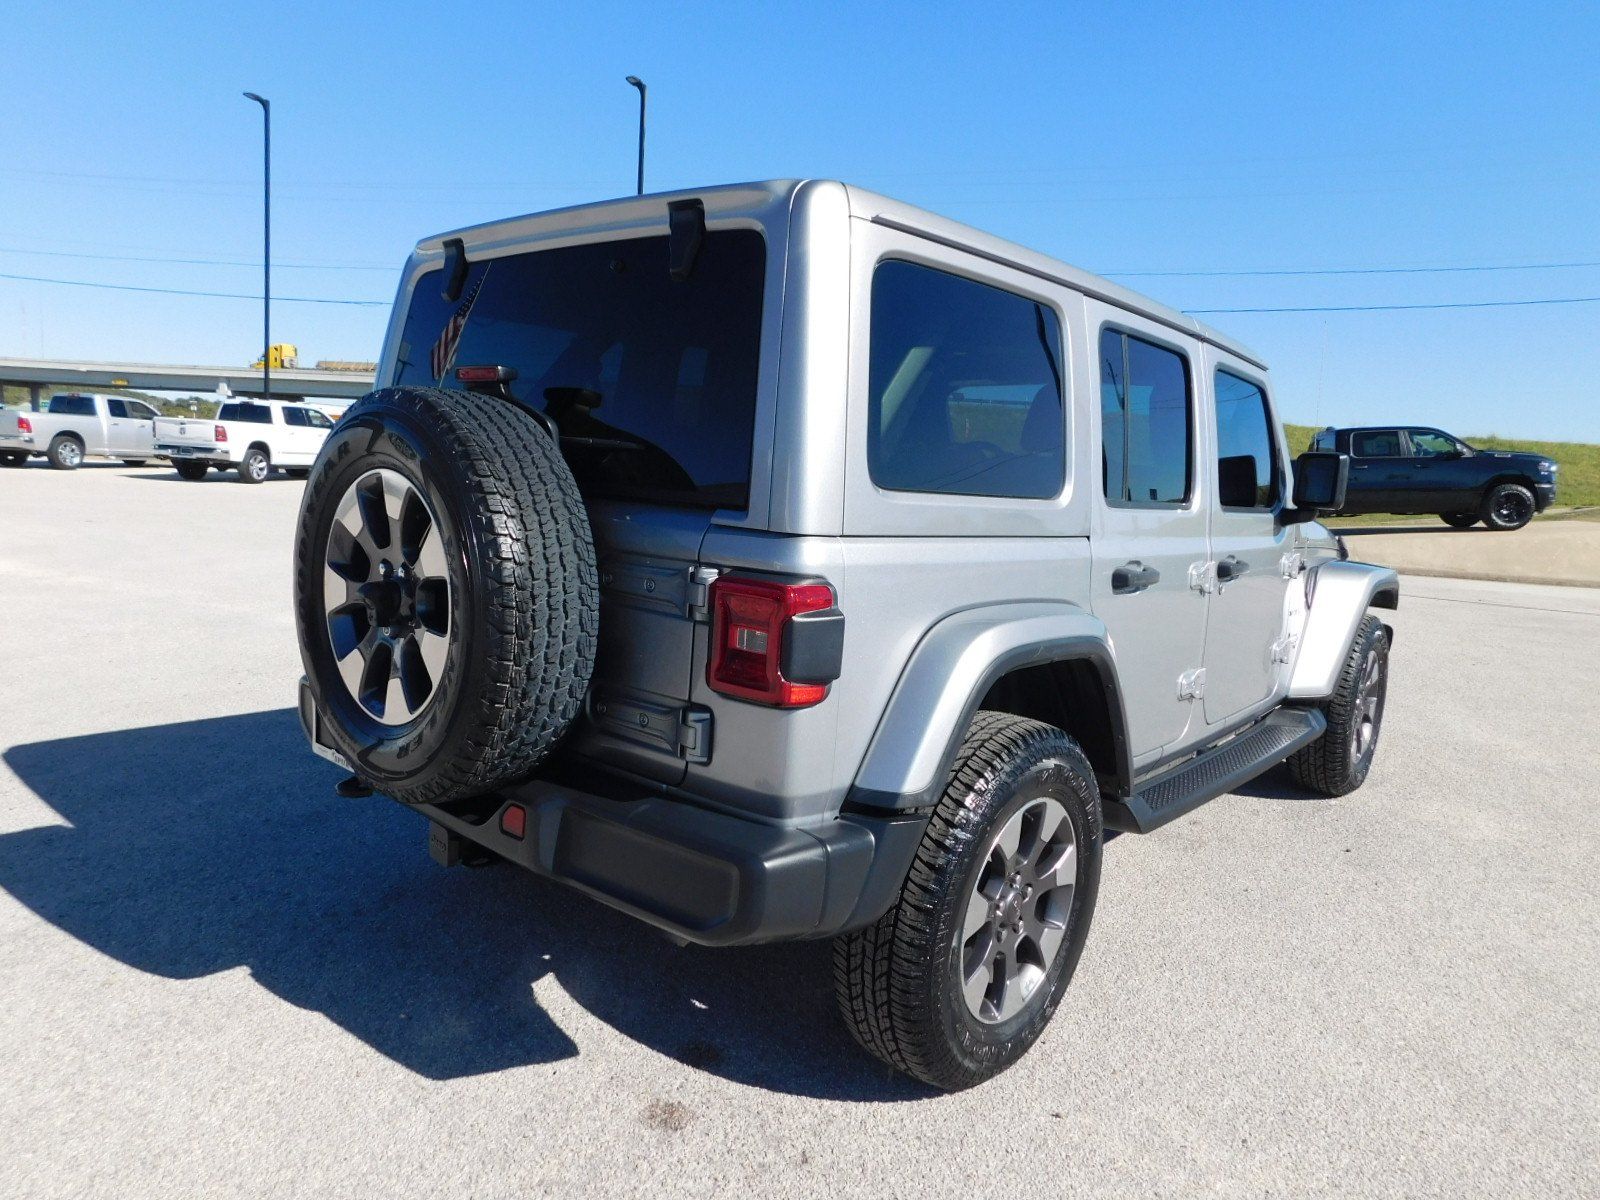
x=1245 y=624
x=1150 y=539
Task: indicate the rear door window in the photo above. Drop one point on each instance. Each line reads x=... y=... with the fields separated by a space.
x=651 y=381
x=1146 y=433
x=295 y=416
x=1376 y=443
x=964 y=387
x=116 y=408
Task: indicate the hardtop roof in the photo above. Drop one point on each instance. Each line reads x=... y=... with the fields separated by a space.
x=628 y=211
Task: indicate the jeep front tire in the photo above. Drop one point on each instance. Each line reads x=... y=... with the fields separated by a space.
x=957 y=980
x=1337 y=763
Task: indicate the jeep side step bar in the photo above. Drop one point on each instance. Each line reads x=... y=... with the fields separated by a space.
x=1167 y=796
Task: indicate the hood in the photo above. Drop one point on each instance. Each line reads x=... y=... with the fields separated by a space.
x=1518 y=456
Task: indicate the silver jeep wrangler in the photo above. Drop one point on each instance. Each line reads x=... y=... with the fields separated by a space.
x=781 y=561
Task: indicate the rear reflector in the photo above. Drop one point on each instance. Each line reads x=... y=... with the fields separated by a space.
x=749 y=620
x=490 y=374
x=514 y=821
x=220 y=433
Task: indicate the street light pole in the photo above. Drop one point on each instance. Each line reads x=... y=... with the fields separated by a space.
x=639 y=83
x=266 y=244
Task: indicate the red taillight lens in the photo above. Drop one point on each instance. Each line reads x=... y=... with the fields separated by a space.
x=24 y=425
x=220 y=433
x=748 y=621
x=514 y=821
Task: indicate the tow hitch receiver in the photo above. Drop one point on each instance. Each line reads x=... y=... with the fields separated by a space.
x=449 y=849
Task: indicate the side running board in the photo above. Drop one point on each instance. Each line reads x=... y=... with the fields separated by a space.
x=1216 y=771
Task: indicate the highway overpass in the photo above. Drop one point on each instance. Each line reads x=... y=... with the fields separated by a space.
x=35 y=373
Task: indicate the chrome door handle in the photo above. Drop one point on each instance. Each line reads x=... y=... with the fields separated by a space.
x=1133 y=577
x=1231 y=568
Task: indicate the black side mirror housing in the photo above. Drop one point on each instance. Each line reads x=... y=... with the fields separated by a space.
x=1321 y=479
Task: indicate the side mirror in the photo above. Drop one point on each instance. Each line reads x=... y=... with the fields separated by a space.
x=1320 y=482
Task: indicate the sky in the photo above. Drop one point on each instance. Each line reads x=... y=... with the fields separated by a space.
x=1129 y=139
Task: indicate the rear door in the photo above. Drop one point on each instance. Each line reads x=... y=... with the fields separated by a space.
x=124 y=433
x=1377 y=464
x=1250 y=548
x=652 y=384
x=1151 y=540
x=145 y=416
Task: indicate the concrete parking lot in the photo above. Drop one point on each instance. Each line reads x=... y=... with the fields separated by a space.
x=217 y=978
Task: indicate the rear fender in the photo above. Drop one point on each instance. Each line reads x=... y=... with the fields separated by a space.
x=1339 y=594
x=951 y=670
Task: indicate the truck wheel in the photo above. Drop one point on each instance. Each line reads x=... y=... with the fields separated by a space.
x=12 y=458
x=190 y=468
x=1459 y=520
x=255 y=466
x=960 y=977
x=65 y=453
x=1337 y=763
x=445 y=592
x=1507 y=506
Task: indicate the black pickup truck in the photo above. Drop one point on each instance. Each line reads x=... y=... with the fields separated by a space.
x=1415 y=469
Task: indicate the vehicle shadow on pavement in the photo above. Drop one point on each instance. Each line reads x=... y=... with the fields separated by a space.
x=198 y=847
x=1369 y=530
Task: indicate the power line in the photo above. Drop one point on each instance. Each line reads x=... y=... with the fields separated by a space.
x=1337 y=308
x=1549 y=266
x=128 y=287
x=207 y=262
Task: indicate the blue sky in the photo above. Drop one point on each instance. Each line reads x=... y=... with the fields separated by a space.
x=1122 y=138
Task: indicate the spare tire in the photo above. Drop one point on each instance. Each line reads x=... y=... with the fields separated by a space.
x=445 y=592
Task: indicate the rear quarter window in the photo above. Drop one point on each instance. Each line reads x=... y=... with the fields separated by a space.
x=964 y=391
x=72 y=406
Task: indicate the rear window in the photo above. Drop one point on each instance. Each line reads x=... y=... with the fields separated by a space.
x=651 y=381
x=72 y=406
x=250 y=414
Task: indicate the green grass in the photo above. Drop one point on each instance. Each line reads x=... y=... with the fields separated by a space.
x=1577 y=484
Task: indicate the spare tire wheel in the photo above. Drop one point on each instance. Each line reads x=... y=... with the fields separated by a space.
x=445 y=592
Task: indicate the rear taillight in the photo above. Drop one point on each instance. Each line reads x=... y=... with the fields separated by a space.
x=751 y=622
x=220 y=433
x=24 y=425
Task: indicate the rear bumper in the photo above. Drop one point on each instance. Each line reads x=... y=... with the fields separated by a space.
x=699 y=874
x=18 y=443
x=177 y=450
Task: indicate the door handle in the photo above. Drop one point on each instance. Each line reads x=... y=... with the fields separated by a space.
x=1231 y=568
x=1133 y=577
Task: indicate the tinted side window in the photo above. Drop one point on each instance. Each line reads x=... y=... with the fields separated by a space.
x=116 y=408
x=251 y=414
x=1247 y=474
x=294 y=416
x=1430 y=443
x=1146 y=437
x=72 y=406
x=964 y=391
x=140 y=410
x=1375 y=443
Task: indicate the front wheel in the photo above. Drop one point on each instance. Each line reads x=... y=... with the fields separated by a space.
x=254 y=467
x=1337 y=763
x=191 y=469
x=1459 y=520
x=957 y=980
x=1508 y=506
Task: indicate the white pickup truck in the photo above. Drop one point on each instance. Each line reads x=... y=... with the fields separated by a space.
x=78 y=425
x=254 y=436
